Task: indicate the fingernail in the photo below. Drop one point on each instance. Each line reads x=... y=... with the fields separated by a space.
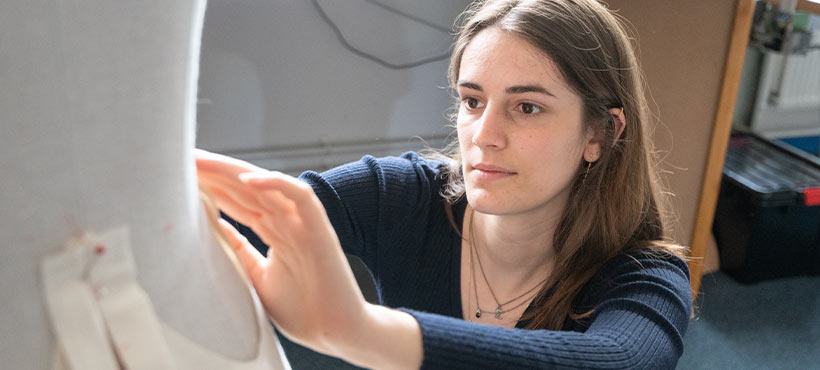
x=247 y=177
x=251 y=177
x=222 y=222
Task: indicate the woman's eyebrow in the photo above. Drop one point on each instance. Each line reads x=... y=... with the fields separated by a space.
x=470 y=85
x=520 y=89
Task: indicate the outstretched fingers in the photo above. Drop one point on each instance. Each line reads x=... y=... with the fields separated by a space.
x=232 y=199
x=251 y=260
x=213 y=162
x=305 y=203
x=279 y=208
x=268 y=223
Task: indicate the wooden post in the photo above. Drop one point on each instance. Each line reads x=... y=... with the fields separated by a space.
x=721 y=131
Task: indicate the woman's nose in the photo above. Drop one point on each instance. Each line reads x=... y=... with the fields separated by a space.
x=489 y=132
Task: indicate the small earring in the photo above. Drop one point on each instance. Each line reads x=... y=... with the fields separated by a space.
x=586 y=172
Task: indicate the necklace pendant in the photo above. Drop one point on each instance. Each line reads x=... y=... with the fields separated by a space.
x=478 y=313
x=498 y=313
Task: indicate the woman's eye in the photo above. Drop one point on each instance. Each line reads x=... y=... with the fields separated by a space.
x=529 y=108
x=472 y=103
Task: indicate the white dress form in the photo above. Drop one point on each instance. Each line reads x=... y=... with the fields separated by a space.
x=97 y=117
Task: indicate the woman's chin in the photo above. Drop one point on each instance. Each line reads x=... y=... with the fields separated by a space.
x=483 y=202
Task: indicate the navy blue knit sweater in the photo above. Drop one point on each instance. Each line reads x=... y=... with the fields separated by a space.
x=389 y=213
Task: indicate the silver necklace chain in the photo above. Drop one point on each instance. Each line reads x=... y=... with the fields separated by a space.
x=500 y=306
x=498 y=311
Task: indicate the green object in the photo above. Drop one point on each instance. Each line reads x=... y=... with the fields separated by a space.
x=800 y=22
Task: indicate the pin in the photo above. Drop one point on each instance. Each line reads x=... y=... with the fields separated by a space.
x=98 y=251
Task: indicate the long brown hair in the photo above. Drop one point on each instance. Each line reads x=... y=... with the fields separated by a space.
x=618 y=205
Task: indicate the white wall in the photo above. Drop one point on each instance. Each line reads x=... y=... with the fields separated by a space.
x=279 y=89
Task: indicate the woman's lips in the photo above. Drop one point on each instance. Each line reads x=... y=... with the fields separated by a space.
x=489 y=172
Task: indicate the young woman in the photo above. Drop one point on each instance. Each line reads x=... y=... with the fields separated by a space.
x=538 y=243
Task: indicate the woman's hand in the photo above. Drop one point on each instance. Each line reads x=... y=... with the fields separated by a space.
x=305 y=282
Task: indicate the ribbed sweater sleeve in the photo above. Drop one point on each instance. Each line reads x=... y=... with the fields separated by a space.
x=639 y=323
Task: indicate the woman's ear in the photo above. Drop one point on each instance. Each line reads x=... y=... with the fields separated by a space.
x=592 y=151
x=619 y=119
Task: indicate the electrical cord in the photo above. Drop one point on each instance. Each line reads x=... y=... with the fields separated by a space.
x=374 y=58
x=409 y=16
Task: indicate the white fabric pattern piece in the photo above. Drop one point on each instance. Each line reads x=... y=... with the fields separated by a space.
x=102 y=317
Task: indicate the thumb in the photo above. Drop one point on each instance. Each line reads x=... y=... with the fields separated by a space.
x=251 y=260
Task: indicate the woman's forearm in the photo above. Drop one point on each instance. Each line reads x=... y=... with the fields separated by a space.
x=387 y=339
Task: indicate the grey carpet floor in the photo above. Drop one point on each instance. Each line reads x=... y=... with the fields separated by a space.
x=768 y=325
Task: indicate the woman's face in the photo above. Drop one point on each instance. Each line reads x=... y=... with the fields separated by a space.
x=519 y=127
